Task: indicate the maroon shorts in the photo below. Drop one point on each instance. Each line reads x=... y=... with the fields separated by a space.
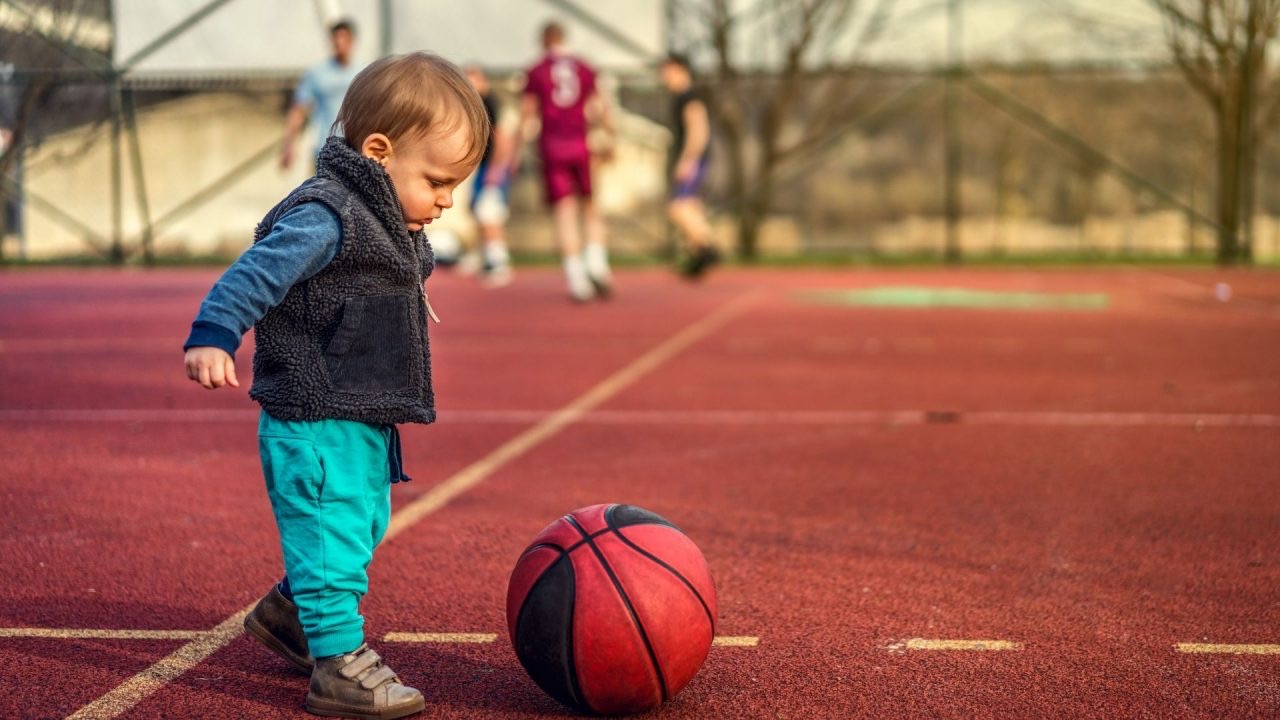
x=566 y=177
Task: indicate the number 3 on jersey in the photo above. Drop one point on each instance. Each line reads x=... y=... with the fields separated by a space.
x=565 y=88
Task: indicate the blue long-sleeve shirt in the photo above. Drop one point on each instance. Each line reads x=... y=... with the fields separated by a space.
x=301 y=243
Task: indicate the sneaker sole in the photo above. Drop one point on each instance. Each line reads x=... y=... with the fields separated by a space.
x=327 y=709
x=604 y=290
x=264 y=636
x=498 y=280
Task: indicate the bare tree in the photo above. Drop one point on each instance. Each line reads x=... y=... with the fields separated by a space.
x=771 y=116
x=1221 y=47
x=39 y=44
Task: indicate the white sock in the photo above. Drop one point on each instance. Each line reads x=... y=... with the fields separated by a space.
x=596 y=258
x=575 y=273
x=495 y=253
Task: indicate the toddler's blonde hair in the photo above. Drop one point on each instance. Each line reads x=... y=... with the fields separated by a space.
x=413 y=95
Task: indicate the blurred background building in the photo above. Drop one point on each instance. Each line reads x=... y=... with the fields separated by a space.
x=147 y=130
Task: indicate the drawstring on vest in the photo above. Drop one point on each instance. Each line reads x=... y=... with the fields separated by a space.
x=395 y=456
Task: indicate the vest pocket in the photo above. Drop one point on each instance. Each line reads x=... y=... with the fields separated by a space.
x=370 y=350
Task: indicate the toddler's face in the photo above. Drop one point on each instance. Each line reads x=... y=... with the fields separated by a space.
x=426 y=170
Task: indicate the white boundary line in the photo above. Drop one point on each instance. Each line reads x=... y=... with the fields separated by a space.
x=714 y=417
x=165 y=670
x=952 y=645
x=100 y=634
x=438 y=637
x=135 y=689
x=735 y=641
x=1226 y=649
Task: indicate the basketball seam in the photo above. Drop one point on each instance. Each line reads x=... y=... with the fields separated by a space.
x=582 y=542
x=549 y=546
x=705 y=608
x=626 y=600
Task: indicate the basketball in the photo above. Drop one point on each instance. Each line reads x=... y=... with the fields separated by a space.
x=611 y=609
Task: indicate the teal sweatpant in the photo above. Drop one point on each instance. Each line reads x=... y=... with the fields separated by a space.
x=330 y=488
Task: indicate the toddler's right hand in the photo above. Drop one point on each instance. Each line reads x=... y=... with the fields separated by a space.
x=211 y=367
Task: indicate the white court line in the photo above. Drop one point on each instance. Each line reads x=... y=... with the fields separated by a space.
x=100 y=634
x=1013 y=418
x=1120 y=419
x=736 y=641
x=952 y=645
x=163 y=671
x=1226 y=649
x=132 y=691
x=446 y=637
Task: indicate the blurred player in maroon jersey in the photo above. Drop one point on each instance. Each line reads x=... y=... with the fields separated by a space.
x=561 y=91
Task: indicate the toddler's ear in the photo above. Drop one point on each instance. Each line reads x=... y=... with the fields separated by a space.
x=376 y=147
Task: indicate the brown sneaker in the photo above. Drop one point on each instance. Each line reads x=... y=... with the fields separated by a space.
x=360 y=685
x=274 y=621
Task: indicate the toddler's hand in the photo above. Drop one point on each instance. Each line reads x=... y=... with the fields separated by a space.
x=211 y=367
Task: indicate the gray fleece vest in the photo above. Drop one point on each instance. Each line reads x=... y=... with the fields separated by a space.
x=351 y=341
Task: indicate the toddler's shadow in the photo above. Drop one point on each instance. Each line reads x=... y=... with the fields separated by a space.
x=449 y=678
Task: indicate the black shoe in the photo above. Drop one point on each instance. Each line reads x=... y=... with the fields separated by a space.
x=274 y=622
x=700 y=261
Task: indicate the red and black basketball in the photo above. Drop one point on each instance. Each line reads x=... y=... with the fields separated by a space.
x=611 y=609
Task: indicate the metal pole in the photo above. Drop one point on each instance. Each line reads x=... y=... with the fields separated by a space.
x=116 y=251
x=18 y=206
x=951 y=128
x=117 y=218
x=384 y=37
x=139 y=179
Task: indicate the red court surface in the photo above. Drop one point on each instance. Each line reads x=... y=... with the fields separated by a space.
x=909 y=511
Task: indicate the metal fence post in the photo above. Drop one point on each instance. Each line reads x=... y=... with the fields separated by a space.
x=139 y=177
x=951 y=124
x=117 y=218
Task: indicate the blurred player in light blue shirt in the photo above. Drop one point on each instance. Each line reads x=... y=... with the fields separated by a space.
x=319 y=94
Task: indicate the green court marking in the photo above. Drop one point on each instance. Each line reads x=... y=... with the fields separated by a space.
x=911 y=296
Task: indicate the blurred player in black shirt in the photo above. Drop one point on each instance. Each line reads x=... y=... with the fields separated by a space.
x=690 y=153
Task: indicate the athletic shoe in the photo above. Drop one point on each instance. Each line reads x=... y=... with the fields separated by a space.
x=596 y=260
x=274 y=622
x=497 y=265
x=581 y=292
x=581 y=288
x=360 y=685
x=602 y=285
x=499 y=276
x=469 y=264
x=700 y=262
